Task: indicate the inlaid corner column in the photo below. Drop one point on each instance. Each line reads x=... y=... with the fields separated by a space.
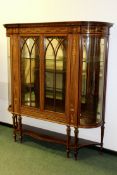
x=76 y=142
x=68 y=140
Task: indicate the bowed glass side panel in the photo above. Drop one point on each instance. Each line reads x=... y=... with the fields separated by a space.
x=29 y=52
x=93 y=61
x=55 y=73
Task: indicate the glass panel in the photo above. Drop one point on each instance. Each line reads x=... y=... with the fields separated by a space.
x=92 y=80
x=30 y=71
x=55 y=76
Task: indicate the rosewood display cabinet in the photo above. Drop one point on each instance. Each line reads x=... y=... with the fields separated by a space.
x=58 y=73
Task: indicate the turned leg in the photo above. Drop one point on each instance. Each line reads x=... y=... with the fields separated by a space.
x=20 y=127
x=76 y=143
x=16 y=122
x=14 y=117
x=68 y=140
x=102 y=137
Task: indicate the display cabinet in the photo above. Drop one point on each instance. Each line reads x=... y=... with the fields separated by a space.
x=58 y=73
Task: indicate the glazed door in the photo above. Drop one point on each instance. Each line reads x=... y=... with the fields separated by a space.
x=30 y=66
x=93 y=66
x=43 y=72
x=55 y=57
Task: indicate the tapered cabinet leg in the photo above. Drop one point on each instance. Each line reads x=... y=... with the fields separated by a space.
x=102 y=137
x=20 y=127
x=15 y=126
x=75 y=143
x=68 y=140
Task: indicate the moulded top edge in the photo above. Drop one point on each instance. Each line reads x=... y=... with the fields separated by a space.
x=54 y=24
